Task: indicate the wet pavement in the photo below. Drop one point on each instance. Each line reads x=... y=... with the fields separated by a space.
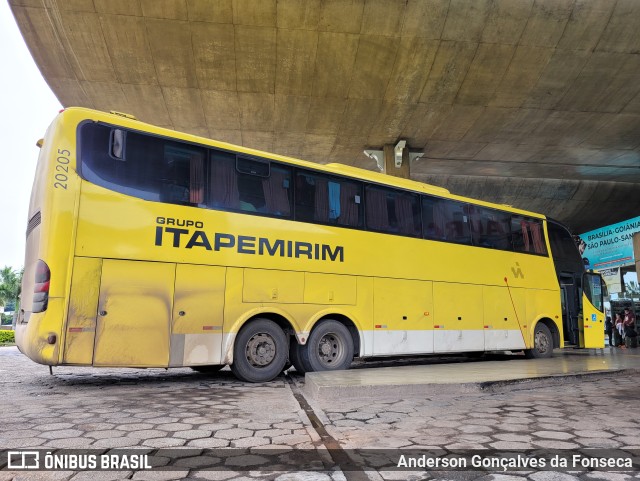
x=155 y=410
x=489 y=373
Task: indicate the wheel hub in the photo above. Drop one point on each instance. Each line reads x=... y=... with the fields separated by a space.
x=261 y=350
x=542 y=343
x=329 y=349
x=325 y=349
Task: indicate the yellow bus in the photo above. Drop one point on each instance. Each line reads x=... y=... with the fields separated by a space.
x=152 y=248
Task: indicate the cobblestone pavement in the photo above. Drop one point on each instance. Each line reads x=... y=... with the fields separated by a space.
x=154 y=408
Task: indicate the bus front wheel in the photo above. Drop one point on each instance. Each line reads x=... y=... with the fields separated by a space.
x=542 y=343
x=329 y=348
x=260 y=351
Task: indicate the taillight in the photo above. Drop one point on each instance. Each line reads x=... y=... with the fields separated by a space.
x=41 y=287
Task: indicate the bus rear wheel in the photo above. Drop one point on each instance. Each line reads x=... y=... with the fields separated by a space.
x=542 y=343
x=260 y=351
x=329 y=348
x=296 y=357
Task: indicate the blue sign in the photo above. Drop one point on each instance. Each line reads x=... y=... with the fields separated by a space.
x=610 y=246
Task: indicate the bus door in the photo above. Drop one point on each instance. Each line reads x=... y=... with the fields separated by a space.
x=592 y=318
x=134 y=313
x=569 y=300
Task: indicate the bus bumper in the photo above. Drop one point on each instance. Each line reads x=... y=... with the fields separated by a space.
x=40 y=337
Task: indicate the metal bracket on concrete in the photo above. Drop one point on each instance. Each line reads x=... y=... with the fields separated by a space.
x=397 y=151
x=377 y=156
x=415 y=155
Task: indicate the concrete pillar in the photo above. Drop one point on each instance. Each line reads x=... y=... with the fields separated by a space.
x=390 y=168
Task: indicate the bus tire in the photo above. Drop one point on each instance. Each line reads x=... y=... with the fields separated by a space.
x=296 y=357
x=329 y=348
x=207 y=369
x=542 y=343
x=260 y=351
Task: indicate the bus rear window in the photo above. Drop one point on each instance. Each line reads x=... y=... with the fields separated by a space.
x=162 y=170
x=146 y=167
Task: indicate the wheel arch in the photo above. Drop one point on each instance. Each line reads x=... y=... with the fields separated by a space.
x=281 y=318
x=553 y=328
x=346 y=322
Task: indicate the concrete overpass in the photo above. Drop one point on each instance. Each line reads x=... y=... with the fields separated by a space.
x=534 y=103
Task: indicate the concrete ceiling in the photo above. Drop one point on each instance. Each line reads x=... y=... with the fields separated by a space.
x=533 y=103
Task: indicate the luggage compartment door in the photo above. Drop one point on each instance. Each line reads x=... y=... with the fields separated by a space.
x=134 y=314
x=458 y=317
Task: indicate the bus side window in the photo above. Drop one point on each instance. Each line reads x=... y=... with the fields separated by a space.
x=527 y=236
x=392 y=211
x=250 y=175
x=457 y=222
x=223 y=182
x=476 y=223
x=328 y=200
x=432 y=219
x=377 y=209
x=276 y=191
x=407 y=211
x=491 y=228
x=305 y=197
x=445 y=220
x=248 y=185
x=182 y=178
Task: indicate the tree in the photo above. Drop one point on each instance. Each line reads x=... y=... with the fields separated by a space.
x=10 y=282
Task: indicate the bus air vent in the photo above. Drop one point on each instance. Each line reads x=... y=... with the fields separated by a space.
x=34 y=222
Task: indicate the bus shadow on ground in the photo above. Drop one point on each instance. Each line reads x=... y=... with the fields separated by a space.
x=96 y=377
x=433 y=360
x=93 y=377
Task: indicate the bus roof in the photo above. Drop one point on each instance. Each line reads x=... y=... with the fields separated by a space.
x=385 y=179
